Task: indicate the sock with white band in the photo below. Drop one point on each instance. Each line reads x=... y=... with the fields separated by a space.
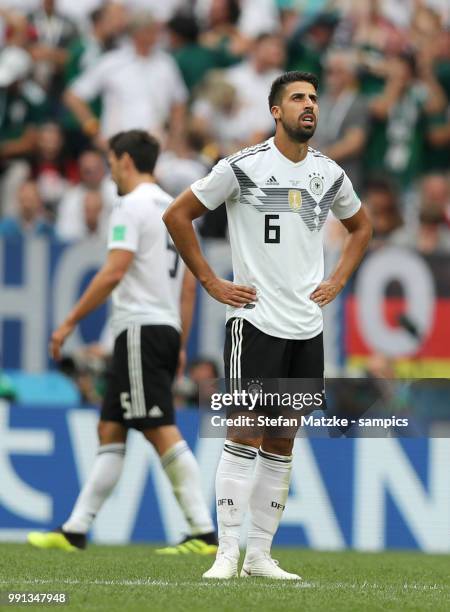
x=233 y=486
x=102 y=479
x=267 y=500
x=182 y=470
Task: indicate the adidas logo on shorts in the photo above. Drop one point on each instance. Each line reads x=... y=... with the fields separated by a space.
x=155 y=412
x=272 y=181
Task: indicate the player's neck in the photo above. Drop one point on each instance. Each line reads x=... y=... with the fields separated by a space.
x=294 y=151
x=138 y=179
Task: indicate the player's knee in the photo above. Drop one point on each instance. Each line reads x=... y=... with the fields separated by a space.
x=278 y=446
x=110 y=433
x=163 y=438
x=242 y=439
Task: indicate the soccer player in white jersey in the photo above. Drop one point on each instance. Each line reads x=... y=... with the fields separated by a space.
x=144 y=275
x=277 y=195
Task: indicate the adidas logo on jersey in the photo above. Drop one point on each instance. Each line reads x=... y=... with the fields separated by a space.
x=155 y=412
x=272 y=181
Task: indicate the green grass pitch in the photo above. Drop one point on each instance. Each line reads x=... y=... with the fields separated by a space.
x=133 y=578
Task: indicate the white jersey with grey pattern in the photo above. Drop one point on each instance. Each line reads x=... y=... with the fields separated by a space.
x=149 y=293
x=276 y=211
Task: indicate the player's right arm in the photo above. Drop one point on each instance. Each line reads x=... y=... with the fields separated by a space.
x=86 y=118
x=83 y=90
x=97 y=292
x=178 y=219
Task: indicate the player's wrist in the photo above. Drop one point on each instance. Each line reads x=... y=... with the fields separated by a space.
x=338 y=282
x=208 y=281
x=91 y=127
x=70 y=322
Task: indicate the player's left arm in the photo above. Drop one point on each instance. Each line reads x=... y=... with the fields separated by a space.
x=187 y=305
x=98 y=290
x=359 y=230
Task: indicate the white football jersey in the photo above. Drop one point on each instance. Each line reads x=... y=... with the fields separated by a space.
x=149 y=293
x=276 y=211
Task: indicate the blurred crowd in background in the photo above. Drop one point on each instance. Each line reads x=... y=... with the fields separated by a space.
x=197 y=73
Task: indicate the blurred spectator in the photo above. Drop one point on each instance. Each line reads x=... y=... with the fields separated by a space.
x=52 y=169
x=397 y=138
x=140 y=86
x=310 y=41
x=437 y=153
x=71 y=220
x=258 y=17
x=161 y=11
x=204 y=374
x=177 y=169
x=252 y=80
x=437 y=147
x=251 y=18
x=240 y=104
x=436 y=192
x=382 y=205
x=21 y=109
x=219 y=117
x=432 y=234
x=18 y=104
x=106 y=23
x=31 y=220
x=193 y=59
x=53 y=35
x=220 y=18
x=379 y=28
x=440 y=48
x=92 y=214
x=201 y=382
x=341 y=131
x=79 y=11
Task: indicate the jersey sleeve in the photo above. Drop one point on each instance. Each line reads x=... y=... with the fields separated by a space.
x=123 y=230
x=219 y=186
x=346 y=203
x=90 y=83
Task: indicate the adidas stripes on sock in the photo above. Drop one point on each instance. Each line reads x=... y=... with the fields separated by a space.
x=182 y=470
x=267 y=500
x=232 y=492
x=103 y=478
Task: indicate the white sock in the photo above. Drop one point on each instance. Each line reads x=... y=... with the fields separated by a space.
x=103 y=478
x=267 y=500
x=232 y=492
x=182 y=470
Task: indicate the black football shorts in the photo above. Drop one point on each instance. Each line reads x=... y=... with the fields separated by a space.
x=139 y=387
x=259 y=363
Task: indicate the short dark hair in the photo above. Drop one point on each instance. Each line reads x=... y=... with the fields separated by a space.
x=276 y=91
x=97 y=14
x=140 y=146
x=185 y=26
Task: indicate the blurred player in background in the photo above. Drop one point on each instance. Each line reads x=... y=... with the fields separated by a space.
x=278 y=195
x=144 y=274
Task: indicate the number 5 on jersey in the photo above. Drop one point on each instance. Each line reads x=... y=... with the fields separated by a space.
x=171 y=247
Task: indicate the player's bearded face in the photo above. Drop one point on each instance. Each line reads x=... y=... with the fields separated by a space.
x=299 y=112
x=297 y=130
